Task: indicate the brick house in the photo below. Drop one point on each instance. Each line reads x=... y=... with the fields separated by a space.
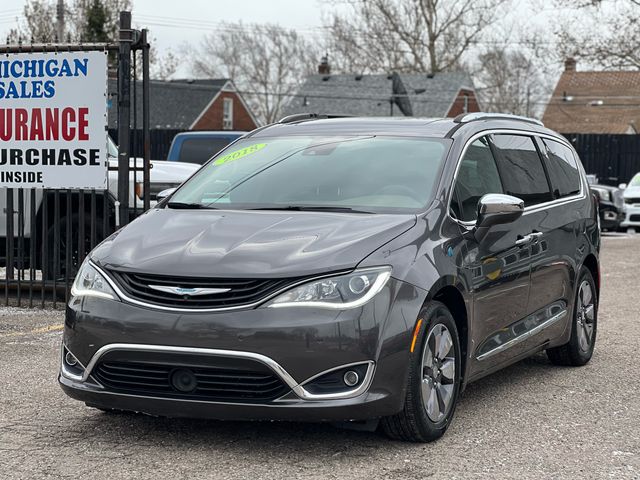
x=444 y=94
x=208 y=104
x=594 y=102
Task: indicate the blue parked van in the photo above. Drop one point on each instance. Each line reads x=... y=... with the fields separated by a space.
x=198 y=147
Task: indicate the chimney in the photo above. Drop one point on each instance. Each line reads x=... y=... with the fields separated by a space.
x=570 y=64
x=324 y=68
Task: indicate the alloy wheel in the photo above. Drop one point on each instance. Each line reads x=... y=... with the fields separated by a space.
x=585 y=315
x=438 y=373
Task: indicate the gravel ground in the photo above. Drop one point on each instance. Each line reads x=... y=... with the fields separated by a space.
x=531 y=420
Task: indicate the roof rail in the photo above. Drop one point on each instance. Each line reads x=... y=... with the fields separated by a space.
x=470 y=117
x=299 y=117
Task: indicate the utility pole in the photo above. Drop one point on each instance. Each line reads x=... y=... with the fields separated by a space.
x=60 y=21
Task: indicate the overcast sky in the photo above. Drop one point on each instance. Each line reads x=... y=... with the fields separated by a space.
x=173 y=26
x=175 y=23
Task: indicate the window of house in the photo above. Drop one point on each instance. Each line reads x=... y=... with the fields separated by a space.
x=477 y=176
x=521 y=168
x=563 y=169
x=227 y=114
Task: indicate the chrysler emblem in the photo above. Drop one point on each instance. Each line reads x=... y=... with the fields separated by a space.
x=189 y=292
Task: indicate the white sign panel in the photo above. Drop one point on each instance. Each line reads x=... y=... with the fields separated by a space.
x=53 y=119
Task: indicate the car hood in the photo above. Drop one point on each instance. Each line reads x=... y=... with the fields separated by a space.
x=604 y=187
x=160 y=171
x=230 y=243
x=631 y=192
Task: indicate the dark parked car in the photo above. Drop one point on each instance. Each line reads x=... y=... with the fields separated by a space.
x=332 y=269
x=610 y=203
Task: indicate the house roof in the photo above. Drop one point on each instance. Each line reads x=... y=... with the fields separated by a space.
x=574 y=106
x=369 y=95
x=174 y=104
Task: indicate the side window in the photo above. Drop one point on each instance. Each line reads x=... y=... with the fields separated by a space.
x=199 y=150
x=521 y=168
x=477 y=176
x=562 y=168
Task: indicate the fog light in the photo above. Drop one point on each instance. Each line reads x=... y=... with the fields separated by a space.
x=351 y=378
x=70 y=359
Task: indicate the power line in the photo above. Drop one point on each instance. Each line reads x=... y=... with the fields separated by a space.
x=199 y=24
x=414 y=99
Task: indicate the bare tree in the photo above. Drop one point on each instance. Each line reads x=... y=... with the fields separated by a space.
x=38 y=24
x=407 y=35
x=164 y=66
x=509 y=81
x=605 y=34
x=266 y=62
x=86 y=20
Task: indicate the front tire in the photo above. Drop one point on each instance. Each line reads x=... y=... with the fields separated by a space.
x=434 y=379
x=579 y=349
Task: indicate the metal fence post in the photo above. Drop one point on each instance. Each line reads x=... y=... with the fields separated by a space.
x=145 y=121
x=124 y=106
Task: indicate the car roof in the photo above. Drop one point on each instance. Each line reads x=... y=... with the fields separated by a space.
x=212 y=133
x=409 y=126
x=402 y=126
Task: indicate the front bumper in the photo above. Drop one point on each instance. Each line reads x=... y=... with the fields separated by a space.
x=631 y=216
x=610 y=216
x=363 y=407
x=297 y=344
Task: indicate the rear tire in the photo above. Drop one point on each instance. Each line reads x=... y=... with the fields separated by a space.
x=584 y=325
x=434 y=379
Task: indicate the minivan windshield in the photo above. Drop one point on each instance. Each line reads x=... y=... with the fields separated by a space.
x=635 y=181
x=377 y=174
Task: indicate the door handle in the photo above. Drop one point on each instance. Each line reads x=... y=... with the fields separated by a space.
x=524 y=240
x=530 y=238
x=535 y=236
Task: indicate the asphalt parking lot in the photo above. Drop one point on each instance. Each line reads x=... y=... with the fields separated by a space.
x=531 y=420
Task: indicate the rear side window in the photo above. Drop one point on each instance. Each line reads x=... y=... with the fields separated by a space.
x=477 y=176
x=521 y=168
x=563 y=169
x=199 y=150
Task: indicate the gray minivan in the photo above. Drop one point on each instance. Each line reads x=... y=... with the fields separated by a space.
x=343 y=269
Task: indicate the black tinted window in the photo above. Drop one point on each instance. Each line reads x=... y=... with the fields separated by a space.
x=563 y=169
x=477 y=176
x=521 y=168
x=199 y=150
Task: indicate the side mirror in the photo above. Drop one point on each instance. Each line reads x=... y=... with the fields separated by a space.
x=496 y=209
x=165 y=193
x=622 y=186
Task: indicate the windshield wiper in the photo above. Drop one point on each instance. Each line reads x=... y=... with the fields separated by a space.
x=188 y=206
x=313 y=208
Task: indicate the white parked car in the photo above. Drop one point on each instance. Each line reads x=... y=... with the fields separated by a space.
x=631 y=197
x=162 y=176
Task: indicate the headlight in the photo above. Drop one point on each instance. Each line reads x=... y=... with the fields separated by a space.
x=90 y=283
x=340 y=292
x=605 y=195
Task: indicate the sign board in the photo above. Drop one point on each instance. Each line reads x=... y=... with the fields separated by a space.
x=53 y=120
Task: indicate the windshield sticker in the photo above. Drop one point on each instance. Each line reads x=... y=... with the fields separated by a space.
x=240 y=153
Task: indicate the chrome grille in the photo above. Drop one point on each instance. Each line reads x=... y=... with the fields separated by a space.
x=235 y=292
